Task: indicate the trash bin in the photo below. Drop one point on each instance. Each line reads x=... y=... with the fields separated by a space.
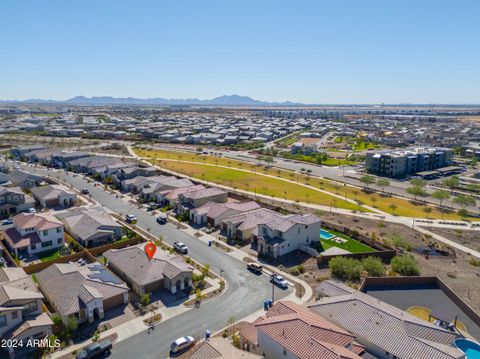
x=208 y=332
x=209 y=243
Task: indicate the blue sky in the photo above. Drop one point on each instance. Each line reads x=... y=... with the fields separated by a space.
x=358 y=51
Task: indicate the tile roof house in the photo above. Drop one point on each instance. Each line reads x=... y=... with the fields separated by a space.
x=21 y=315
x=13 y=200
x=152 y=191
x=19 y=178
x=220 y=348
x=289 y=330
x=83 y=291
x=244 y=226
x=213 y=213
x=284 y=234
x=198 y=198
x=17 y=152
x=171 y=196
x=386 y=331
x=143 y=275
x=54 y=195
x=91 y=227
x=34 y=233
x=62 y=159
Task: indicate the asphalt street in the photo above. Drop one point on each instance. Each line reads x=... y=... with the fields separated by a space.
x=244 y=296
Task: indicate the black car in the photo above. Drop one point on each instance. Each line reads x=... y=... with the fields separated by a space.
x=95 y=350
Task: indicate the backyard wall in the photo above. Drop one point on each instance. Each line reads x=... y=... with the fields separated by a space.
x=413 y=281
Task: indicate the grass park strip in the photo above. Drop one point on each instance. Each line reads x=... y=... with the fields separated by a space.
x=256 y=183
x=392 y=205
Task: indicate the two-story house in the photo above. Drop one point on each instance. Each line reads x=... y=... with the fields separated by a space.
x=34 y=233
x=21 y=316
x=13 y=200
x=283 y=235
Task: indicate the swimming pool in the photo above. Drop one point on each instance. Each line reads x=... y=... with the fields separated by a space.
x=470 y=348
x=325 y=234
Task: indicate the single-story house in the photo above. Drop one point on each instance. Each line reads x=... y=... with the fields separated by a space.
x=198 y=198
x=54 y=195
x=213 y=213
x=83 y=291
x=91 y=227
x=164 y=271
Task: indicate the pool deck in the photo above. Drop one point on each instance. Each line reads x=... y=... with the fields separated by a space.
x=428 y=296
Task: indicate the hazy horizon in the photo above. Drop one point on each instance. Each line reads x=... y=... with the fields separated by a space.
x=311 y=52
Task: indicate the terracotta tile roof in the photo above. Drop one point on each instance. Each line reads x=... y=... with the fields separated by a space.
x=39 y=221
x=303 y=333
x=16 y=240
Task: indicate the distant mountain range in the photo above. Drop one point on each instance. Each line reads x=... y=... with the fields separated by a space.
x=226 y=100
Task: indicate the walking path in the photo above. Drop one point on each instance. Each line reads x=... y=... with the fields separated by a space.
x=408 y=221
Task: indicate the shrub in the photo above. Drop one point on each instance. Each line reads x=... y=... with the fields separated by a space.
x=401 y=242
x=301 y=268
x=145 y=300
x=373 y=266
x=294 y=271
x=405 y=265
x=345 y=268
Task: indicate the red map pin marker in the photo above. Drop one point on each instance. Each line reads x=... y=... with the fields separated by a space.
x=150 y=249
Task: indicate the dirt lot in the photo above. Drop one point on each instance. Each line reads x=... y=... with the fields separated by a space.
x=469 y=238
x=455 y=270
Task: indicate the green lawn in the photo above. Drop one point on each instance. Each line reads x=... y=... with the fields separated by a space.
x=351 y=245
x=257 y=183
x=45 y=257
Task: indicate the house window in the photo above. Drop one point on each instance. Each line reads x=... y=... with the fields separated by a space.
x=14 y=315
x=30 y=307
x=59 y=240
x=59 y=229
x=45 y=233
x=298 y=229
x=3 y=321
x=284 y=351
x=47 y=244
x=33 y=247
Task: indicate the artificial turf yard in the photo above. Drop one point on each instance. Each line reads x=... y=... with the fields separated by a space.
x=277 y=187
x=352 y=245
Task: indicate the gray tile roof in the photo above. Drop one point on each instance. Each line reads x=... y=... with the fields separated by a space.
x=16 y=285
x=388 y=327
x=86 y=223
x=50 y=192
x=135 y=264
x=69 y=286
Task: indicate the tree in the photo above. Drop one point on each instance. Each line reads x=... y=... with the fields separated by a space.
x=393 y=207
x=465 y=201
x=405 y=265
x=145 y=300
x=70 y=326
x=345 y=268
x=418 y=182
x=441 y=195
x=382 y=183
x=452 y=182
x=373 y=266
x=367 y=180
x=417 y=191
x=462 y=213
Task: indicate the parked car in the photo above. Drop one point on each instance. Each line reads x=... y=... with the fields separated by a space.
x=85 y=191
x=279 y=281
x=255 y=267
x=182 y=344
x=162 y=218
x=180 y=247
x=7 y=221
x=94 y=350
x=131 y=218
x=31 y=210
x=151 y=207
